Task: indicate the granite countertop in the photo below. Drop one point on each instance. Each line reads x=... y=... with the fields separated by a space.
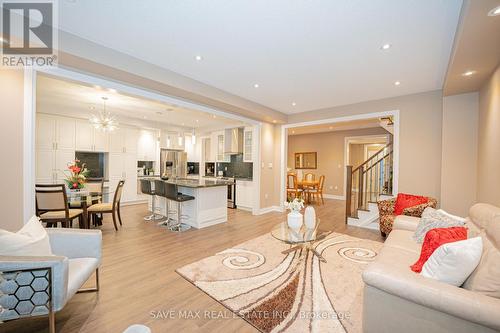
x=236 y=178
x=199 y=183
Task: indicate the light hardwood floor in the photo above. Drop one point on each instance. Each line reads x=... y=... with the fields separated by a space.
x=138 y=278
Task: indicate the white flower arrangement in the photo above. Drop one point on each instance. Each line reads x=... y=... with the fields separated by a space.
x=295 y=206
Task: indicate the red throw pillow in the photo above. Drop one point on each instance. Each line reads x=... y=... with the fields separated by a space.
x=407 y=200
x=434 y=238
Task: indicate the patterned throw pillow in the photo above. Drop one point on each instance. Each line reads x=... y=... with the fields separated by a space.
x=434 y=218
x=408 y=200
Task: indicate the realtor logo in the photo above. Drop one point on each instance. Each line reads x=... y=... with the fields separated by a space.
x=29 y=33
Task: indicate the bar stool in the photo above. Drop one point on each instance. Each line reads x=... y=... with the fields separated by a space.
x=172 y=193
x=147 y=189
x=160 y=190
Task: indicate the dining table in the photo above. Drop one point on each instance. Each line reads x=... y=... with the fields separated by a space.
x=307 y=184
x=83 y=199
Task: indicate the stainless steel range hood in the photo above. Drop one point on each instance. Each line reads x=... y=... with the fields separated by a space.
x=233 y=141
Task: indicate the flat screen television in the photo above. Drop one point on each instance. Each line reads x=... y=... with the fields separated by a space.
x=95 y=162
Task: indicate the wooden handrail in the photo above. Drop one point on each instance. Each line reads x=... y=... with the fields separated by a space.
x=386 y=155
x=360 y=199
x=348 y=187
x=373 y=156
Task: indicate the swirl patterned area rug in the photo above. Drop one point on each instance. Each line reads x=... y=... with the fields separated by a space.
x=292 y=292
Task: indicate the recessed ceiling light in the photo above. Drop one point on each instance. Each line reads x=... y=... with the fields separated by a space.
x=198 y=58
x=293 y=132
x=468 y=73
x=97 y=87
x=331 y=127
x=214 y=116
x=92 y=107
x=385 y=46
x=274 y=121
x=494 y=12
x=293 y=103
x=182 y=124
x=144 y=117
x=256 y=85
x=112 y=90
x=397 y=83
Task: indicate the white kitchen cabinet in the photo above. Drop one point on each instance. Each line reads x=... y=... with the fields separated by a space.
x=62 y=158
x=219 y=148
x=146 y=146
x=123 y=166
x=193 y=150
x=54 y=132
x=117 y=141
x=247 y=145
x=45 y=131
x=123 y=140
x=55 y=147
x=131 y=138
x=89 y=138
x=172 y=140
x=52 y=164
x=101 y=140
x=244 y=194
x=65 y=133
x=44 y=166
x=84 y=136
x=207 y=150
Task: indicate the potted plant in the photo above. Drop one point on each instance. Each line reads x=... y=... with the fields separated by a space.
x=76 y=176
x=294 y=218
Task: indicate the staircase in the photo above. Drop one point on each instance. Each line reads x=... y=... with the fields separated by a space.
x=365 y=185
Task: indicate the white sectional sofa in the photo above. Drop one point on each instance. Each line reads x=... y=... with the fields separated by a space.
x=398 y=300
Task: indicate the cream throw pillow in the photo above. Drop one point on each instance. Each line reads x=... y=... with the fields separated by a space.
x=486 y=277
x=452 y=263
x=435 y=218
x=31 y=240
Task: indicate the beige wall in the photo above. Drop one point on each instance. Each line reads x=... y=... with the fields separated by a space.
x=270 y=141
x=420 y=136
x=459 y=157
x=330 y=148
x=488 y=176
x=11 y=137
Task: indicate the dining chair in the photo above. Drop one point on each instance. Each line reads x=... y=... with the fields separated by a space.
x=109 y=207
x=317 y=192
x=292 y=186
x=95 y=185
x=310 y=177
x=52 y=205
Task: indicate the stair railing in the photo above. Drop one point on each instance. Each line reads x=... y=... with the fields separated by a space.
x=365 y=183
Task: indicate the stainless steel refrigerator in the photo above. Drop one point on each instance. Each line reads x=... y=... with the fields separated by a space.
x=173 y=163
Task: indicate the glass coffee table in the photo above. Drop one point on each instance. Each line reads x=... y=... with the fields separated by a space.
x=302 y=238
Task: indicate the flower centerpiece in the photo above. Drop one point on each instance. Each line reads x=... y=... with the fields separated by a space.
x=77 y=175
x=294 y=218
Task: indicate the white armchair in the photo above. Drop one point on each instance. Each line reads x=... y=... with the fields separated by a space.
x=41 y=285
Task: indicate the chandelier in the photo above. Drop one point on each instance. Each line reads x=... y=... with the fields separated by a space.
x=104 y=120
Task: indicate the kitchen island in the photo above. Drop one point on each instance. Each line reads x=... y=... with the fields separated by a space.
x=209 y=206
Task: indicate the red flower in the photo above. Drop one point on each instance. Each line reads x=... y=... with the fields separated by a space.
x=75 y=185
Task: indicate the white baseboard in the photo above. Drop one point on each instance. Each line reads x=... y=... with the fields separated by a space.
x=133 y=202
x=269 y=210
x=333 y=196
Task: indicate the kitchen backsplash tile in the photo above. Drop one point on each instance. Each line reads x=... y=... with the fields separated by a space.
x=236 y=168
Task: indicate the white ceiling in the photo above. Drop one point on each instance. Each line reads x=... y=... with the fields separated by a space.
x=317 y=53
x=333 y=127
x=61 y=97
